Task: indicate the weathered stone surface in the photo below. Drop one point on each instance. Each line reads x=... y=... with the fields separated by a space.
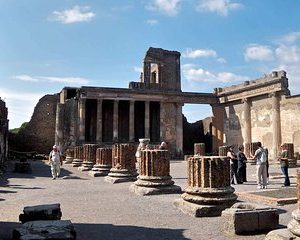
x=248 y=217
x=123 y=164
x=281 y=234
x=41 y=212
x=42 y=230
x=208 y=187
x=223 y=150
x=3 y=134
x=103 y=162
x=199 y=149
x=78 y=156
x=154 y=174
x=69 y=156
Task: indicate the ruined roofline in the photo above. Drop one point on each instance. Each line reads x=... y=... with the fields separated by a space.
x=270 y=79
x=164 y=51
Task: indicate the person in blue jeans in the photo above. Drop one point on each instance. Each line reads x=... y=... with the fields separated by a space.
x=284 y=164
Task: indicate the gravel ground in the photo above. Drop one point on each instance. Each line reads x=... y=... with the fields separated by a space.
x=100 y=210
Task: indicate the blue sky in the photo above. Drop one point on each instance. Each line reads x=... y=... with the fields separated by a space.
x=46 y=45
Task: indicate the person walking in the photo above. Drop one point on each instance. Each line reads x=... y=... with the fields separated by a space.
x=233 y=165
x=55 y=160
x=261 y=167
x=241 y=171
x=267 y=163
x=284 y=164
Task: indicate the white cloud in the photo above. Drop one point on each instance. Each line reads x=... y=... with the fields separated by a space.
x=152 y=22
x=192 y=73
x=168 y=7
x=73 y=15
x=288 y=54
x=138 y=69
x=20 y=105
x=258 y=52
x=221 y=60
x=197 y=53
x=65 y=80
x=290 y=38
x=221 y=7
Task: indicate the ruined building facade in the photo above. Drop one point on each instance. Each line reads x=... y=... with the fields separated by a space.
x=3 y=133
x=151 y=108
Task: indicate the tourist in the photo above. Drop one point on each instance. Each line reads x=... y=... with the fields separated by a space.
x=267 y=163
x=261 y=167
x=163 y=146
x=284 y=164
x=233 y=165
x=241 y=171
x=55 y=160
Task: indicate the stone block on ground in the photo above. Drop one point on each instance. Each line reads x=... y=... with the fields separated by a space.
x=249 y=217
x=41 y=230
x=281 y=234
x=41 y=212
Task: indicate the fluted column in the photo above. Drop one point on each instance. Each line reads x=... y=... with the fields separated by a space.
x=131 y=122
x=147 y=119
x=82 y=102
x=154 y=177
x=116 y=121
x=247 y=124
x=217 y=127
x=89 y=157
x=103 y=162
x=78 y=156
x=179 y=130
x=209 y=191
x=276 y=124
x=99 y=120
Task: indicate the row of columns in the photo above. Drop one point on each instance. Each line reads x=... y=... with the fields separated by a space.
x=276 y=123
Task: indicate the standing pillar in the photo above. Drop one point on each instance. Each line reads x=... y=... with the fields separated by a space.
x=247 y=124
x=209 y=191
x=59 y=126
x=147 y=74
x=131 y=122
x=69 y=156
x=147 y=119
x=116 y=121
x=99 y=121
x=276 y=124
x=217 y=127
x=78 y=156
x=89 y=157
x=123 y=164
x=161 y=118
x=82 y=104
x=154 y=177
x=179 y=130
x=103 y=162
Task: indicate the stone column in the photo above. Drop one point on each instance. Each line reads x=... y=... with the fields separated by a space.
x=247 y=124
x=59 y=125
x=217 y=127
x=179 y=130
x=276 y=124
x=103 y=162
x=78 y=156
x=131 y=122
x=154 y=177
x=223 y=151
x=82 y=102
x=199 y=149
x=116 y=121
x=89 y=157
x=147 y=74
x=147 y=119
x=209 y=191
x=99 y=121
x=69 y=156
x=123 y=164
x=161 y=117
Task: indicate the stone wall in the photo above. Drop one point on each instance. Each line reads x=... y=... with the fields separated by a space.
x=3 y=133
x=39 y=134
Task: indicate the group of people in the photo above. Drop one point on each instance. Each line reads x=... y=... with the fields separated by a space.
x=238 y=165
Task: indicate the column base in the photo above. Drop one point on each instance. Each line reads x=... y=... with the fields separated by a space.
x=77 y=162
x=196 y=210
x=100 y=170
x=86 y=166
x=281 y=234
x=143 y=191
x=68 y=160
x=120 y=175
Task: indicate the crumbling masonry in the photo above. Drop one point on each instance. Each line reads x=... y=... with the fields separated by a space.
x=3 y=134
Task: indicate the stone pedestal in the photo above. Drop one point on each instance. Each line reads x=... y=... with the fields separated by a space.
x=154 y=177
x=123 y=164
x=223 y=151
x=103 y=162
x=89 y=157
x=293 y=227
x=199 y=149
x=78 y=156
x=69 y=156
x=144 y=142
x=209 y=191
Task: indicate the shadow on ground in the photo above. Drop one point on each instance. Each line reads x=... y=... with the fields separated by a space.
x=108 y=232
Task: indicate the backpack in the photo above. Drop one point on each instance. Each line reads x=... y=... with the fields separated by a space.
x=263 y=157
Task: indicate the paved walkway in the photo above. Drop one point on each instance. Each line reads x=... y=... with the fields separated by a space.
x=101 y=210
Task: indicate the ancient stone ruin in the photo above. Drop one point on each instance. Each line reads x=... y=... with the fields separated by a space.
x=103 y=162
x=209 y=191
x=3 y=134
